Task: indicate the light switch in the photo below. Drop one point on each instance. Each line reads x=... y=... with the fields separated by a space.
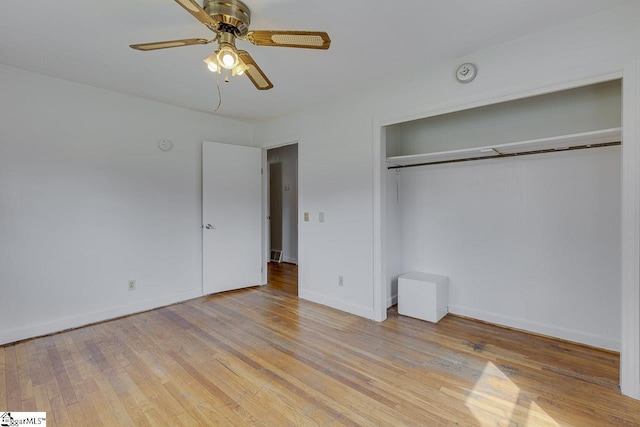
x=306 y=217
x=321 y=217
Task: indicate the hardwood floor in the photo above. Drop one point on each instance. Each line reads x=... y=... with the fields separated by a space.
x=283 y=276
x=262 y=357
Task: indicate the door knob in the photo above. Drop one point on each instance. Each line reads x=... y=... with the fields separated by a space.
x=209 y=227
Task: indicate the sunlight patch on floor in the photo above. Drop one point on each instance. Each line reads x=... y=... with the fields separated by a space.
x=496 y=400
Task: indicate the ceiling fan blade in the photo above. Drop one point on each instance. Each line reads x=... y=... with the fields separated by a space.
x=255 y=74
x=303 y=39
x=168 y=44
x=196 y=10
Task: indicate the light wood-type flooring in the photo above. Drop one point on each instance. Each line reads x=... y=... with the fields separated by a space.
x=283 y=276
x=261 y=357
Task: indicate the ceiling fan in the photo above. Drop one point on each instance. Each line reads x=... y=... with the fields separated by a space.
x=230 y=20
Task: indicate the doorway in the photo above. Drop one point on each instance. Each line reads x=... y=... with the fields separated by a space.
x=282 y=167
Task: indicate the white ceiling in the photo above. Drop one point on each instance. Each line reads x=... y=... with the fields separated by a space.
x=86 y=41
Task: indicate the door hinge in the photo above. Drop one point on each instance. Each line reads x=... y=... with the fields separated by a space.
x=261 y=171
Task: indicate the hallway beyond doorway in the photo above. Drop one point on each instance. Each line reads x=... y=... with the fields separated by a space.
x=283 y=276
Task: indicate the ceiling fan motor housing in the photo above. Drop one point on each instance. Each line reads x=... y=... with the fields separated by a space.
x=232 y=16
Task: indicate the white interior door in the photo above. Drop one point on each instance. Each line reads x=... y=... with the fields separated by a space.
x=231 y=216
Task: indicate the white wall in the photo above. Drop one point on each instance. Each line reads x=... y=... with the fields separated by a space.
x=335 y=178
x=583 y=109
x=336 y=149
x=288 y=157
x=530 y=242
x=339 y=150
x=88 y=202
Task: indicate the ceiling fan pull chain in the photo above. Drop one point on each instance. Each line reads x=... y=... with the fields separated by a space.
x=219 y=93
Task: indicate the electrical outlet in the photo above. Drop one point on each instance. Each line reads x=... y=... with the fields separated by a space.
x=132 y=285
x=340 y=281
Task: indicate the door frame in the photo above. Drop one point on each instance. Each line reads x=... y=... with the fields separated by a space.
x=629 y=72
x=265 y=208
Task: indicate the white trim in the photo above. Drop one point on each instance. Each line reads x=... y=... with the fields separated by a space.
x=202 y=216
x=538 y=328
x=300 y=219
x=266 y=242
x=379 y=222
x=95 y=316
x=280 y=143
x=630 y=189
x=630 y=228
x=358 y=310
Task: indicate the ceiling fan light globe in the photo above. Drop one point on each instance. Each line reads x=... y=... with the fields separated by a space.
x=212 y=62
x=229 y=60
x=227 y=57
x=239 y=69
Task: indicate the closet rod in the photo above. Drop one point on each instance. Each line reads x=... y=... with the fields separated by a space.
x=500 y=155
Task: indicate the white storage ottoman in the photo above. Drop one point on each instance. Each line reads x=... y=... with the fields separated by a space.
x=423 y=296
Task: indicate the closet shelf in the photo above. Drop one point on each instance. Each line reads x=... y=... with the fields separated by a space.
x=556 y=143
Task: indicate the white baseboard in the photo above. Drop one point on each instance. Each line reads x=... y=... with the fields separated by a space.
x=93 y=317
x=358 y=310
x=538 y=328
x=392 y=300
x=290 y=260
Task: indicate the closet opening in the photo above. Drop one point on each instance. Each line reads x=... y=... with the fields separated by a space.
x=519 y=204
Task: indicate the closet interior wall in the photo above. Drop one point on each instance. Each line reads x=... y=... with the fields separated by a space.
x=528 y=242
